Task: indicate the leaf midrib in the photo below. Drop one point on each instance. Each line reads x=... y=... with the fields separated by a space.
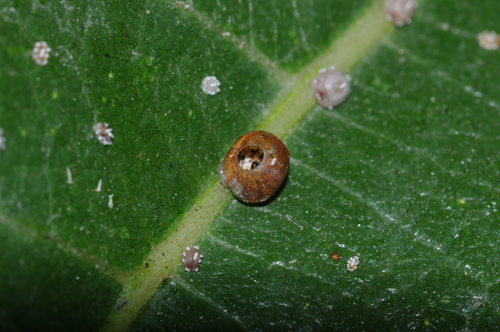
x=293 y=104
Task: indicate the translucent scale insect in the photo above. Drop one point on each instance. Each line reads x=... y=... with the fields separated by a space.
x=210 y=85
x=331 y=87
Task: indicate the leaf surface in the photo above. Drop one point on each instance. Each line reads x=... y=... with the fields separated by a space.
x=403 y=175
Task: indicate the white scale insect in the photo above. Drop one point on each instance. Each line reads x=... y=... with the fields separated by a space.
x=40 y=53
x=104 y=134
x=353 y=263
x=400 y=11
x=331 y=87
x=210 y=85
x=489 y=40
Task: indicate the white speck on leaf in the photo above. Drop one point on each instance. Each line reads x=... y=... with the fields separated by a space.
x=110 y=201
x=489 y=40
x=99 y=186
x=40 y=53
x=210 y=85
x=2 y=141
x=68 y=173
x=104 y=134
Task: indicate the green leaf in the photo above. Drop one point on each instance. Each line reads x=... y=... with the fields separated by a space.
x=46 y=288
x=403 y=175
x=290 y=33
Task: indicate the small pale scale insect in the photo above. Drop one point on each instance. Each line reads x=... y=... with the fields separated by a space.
x=331 y=87
x=353 y=263
x=210 y=85
x=191 y=259
x=400 y=11
x=110 y=201
x=40 y=53
x=489 y=40
x=104 y=134
x=2 y=141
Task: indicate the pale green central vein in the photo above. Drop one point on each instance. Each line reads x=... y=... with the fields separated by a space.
x=343 y=54
x=164 y=258
x=297 y=101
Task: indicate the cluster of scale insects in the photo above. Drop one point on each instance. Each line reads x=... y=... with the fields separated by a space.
x=257 y=164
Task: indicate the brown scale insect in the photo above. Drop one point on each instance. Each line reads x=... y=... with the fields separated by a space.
x=335 y=256
x=255 y=167
x=191 y=259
